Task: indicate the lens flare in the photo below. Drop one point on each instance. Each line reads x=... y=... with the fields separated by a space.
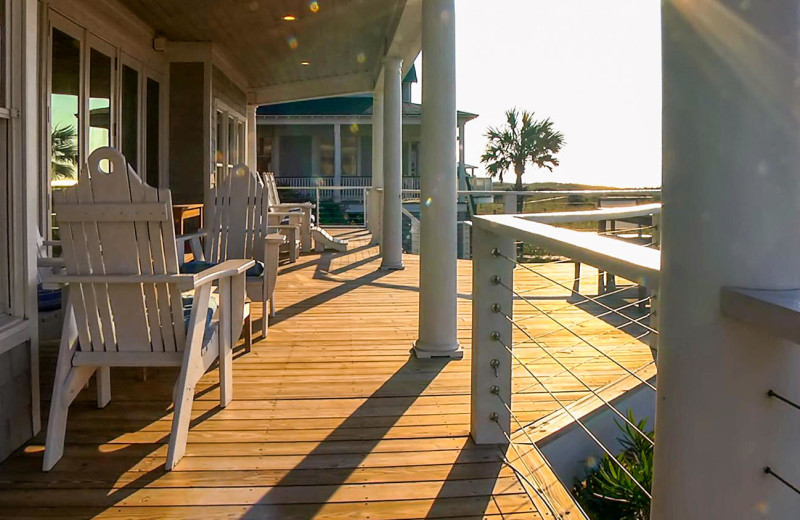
x=313 y=7
x=428 y=201
x=293 y=43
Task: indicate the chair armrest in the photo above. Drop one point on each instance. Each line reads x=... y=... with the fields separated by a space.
x=225 y=269
x=300 y=205
x=46 y=261
x=276 y=238
x=194 y=245
x=186 y=281
x=51 y=243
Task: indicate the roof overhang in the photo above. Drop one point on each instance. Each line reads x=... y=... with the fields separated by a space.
x=335 y=48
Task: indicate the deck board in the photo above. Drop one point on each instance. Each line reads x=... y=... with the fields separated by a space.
x=331 y=417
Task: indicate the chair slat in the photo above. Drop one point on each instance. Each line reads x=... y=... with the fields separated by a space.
x=140 y=194
x=120 y=253
x=94 y=265
x=137 y=212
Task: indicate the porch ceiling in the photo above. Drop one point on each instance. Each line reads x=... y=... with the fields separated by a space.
x=338 y=38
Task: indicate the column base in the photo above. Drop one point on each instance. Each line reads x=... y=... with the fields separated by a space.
x=424 y=351
x=392 y=267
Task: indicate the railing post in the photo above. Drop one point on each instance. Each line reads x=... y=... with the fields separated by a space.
x=492 y=301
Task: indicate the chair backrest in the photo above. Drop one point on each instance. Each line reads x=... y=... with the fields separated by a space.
x=272 y=188
x=112 y=223
x=237 y=222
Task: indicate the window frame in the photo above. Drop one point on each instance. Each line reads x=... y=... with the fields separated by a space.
x=239 y=148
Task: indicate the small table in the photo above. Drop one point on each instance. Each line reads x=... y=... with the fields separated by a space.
x=183 y=212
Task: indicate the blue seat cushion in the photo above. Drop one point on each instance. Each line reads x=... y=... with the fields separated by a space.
x=198 y=266
x=188 y=301
x=48 y=299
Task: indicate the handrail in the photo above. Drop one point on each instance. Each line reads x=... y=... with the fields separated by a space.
x=631 y=261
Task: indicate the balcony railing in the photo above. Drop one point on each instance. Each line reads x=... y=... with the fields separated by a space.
x=355 y=195
x=519 y=314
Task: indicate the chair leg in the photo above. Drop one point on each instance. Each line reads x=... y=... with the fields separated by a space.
x=265 y=314
x=64 y=392
x=180 y=425
x=272 y=306
x=248 y=333
x=103 y=386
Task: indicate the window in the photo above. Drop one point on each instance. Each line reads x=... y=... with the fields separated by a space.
x=130 y=116
x=65 y=86
x=152 y=134
x=6 y=217
x=264 y=148
x=295 y=157
x=326 y=151
x=230 y=157
x=230 y=136
x=3 y=60
x=100 y=81
x=350 y=151
x=242 y=136
x=219 y=154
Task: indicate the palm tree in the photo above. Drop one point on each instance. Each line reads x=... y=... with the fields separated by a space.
x=64 y=151
x=520 y=141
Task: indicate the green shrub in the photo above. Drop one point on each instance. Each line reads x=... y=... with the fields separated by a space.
x=607 y=493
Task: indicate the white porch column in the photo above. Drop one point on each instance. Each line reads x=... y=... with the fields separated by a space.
x=392 y=242
x=438 y=181
x=376 y=194
x=731 y=189
x=252 y=138
x=337 y=160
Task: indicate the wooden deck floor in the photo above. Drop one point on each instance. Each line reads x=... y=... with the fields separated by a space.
x=331 y=418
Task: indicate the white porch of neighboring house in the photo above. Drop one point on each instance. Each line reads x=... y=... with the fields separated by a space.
x=329 y=141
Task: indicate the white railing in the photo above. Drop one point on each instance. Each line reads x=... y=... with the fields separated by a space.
x=502 y=341
x=409 y=183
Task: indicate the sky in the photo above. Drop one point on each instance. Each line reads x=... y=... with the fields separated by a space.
x=593 y=68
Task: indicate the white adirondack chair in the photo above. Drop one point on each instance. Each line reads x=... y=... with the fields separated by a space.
x=296 y=213
x=237 y=226
x=126 y=304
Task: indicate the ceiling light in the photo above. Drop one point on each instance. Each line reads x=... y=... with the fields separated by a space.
x=289 y=18
x=305 y=63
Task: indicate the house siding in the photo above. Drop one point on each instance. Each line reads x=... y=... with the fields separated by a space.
x=186 y=132
x=16 y=422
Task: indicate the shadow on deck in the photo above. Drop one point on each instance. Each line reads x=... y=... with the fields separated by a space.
x=331 y=416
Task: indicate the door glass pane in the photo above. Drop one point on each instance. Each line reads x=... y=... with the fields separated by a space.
x=64 y=109
x=231 y=142
x=152 y=148
x=130 y=116
x=3 y=52
x=242 y=143
x=350 y=151
x=220 y=151
x=5 y=223
x=99 y=100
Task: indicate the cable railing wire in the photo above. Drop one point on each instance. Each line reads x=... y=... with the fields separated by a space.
x=771 y=472
x=556 y=282
x=589 y=388
x=532 y=444
x=578 y=421
x=581 y=338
